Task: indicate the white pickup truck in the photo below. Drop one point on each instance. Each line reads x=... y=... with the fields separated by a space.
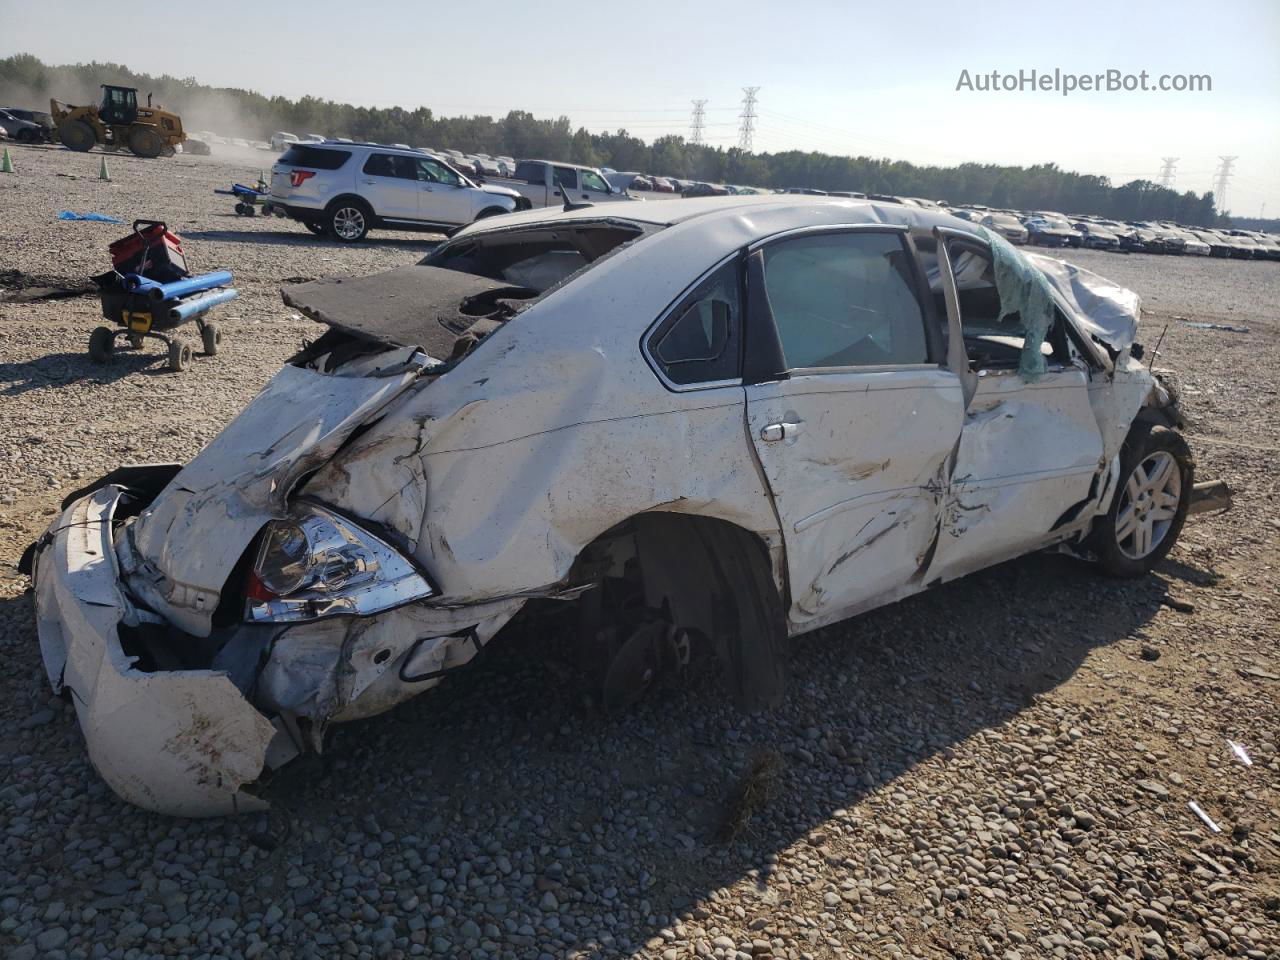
x=545 y=183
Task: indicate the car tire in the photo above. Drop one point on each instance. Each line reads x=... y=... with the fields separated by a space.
x=26 y=136
x=348 y=220
x=1150 y=505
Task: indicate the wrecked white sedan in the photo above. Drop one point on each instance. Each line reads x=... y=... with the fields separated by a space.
x=711 y=424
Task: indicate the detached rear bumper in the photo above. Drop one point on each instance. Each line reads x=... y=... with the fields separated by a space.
x=178 y=742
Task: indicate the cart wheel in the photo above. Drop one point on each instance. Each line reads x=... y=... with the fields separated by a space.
x=102 y=343
x=212 y=337
x=250 y=209
x=240 y=209
x=179 y=355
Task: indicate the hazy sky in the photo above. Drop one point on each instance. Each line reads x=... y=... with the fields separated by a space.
x=865 y=78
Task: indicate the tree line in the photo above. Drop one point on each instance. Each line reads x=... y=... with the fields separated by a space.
x=245 y=113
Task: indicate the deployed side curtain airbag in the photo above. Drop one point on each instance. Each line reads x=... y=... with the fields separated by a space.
x=1023 y=290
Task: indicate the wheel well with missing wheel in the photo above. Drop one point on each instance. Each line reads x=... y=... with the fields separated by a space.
x=706 y=578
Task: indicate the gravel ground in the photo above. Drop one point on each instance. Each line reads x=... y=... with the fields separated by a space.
x=999 y=768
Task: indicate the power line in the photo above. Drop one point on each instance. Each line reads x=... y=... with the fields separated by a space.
x=1167 y=173
x=748 y=117
x=699 y=121
x=1221 y=177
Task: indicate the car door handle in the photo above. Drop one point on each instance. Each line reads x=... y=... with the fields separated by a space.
x=774 y=432
x=368 y=181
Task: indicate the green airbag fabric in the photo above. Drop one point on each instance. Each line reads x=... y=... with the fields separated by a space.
x=1023 y=290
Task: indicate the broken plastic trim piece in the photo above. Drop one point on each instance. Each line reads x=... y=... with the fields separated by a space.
x=468 y=634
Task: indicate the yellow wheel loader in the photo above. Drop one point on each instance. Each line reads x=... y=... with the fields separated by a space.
x=118 y=122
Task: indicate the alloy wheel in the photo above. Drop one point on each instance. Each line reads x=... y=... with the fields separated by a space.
x=1148 y=505
x=348 y=223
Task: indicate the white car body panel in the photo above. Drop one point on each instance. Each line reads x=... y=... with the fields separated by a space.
x=858 y=483
x=495 y=475
x=1028 y=452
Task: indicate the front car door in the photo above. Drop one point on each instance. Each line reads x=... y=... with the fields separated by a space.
x=444 y=197
x=1030 y=449
x=855 y=429
x=595 y=188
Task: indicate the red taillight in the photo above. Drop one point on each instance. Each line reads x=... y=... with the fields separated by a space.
x=299 y=177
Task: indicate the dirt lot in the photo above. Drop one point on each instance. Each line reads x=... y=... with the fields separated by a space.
x=998 y=768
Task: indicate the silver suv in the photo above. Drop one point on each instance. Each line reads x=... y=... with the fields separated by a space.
x=346 y=189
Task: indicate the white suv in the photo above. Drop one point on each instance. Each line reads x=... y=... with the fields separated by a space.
x=346 y=189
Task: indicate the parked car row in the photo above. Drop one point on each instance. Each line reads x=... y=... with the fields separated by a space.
x=548 y=183
x=1047 y=228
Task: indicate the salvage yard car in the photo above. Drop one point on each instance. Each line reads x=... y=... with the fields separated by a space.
x=547 y=184
x=347 y=189
x=712 y=425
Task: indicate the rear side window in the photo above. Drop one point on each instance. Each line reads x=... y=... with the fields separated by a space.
x=700 y=341
x=531 y=172
x=566 y=177
x=391 y=165
x=320 y=158
x=845 y=299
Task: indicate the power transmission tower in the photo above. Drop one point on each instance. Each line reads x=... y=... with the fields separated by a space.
x=699 y=121
x=1220 y=179
x=1167 y=173
x=748 y=117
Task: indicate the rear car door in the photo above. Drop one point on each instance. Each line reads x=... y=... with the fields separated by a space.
x=564 y=184
x=1031 y=446
x=389 y=182
x=855 y=431
x=443 y=196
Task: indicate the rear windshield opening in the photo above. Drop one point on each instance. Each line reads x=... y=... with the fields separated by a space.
x=321 y=158
x=537 y=258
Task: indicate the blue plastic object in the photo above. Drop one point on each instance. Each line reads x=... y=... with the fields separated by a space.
x=190 y=309
x=96 y=217
x=136 y=283
x=182 y=288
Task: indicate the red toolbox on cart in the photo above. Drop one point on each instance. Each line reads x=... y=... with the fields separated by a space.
x=150 y=251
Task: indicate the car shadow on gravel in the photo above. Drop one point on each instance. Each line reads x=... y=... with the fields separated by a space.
x=649 y=813
x=61 y=369
x=685 y=796
x=291 y=238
